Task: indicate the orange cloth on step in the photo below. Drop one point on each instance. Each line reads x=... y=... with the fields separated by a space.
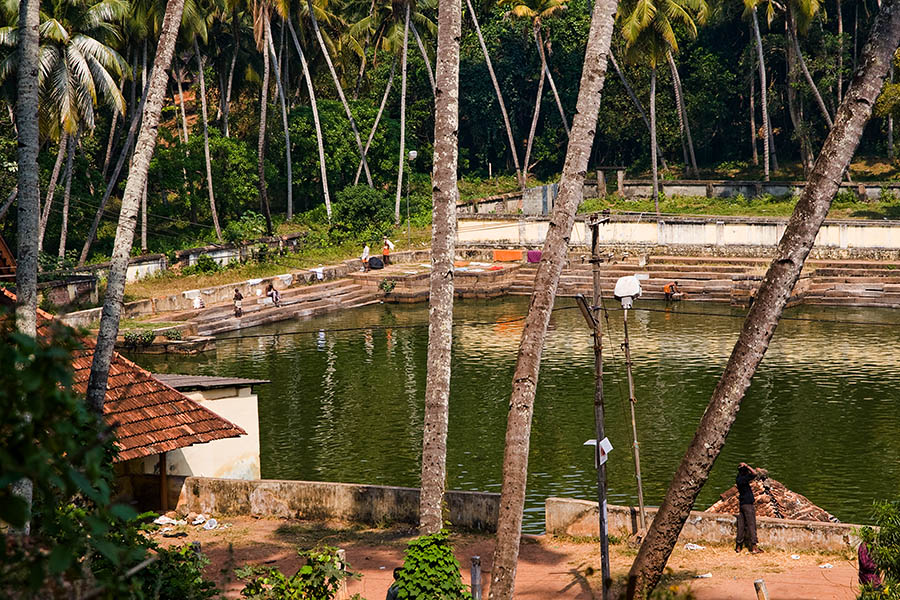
x=507 y=255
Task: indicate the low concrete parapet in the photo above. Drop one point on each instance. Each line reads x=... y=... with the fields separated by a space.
x=568 y=516
x=372 y=504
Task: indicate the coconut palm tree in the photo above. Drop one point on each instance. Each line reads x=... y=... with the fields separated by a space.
x=648 y=29
x=750 y=11
x=77 y=74
x=137 y=179
x=762 y=319
x=546 y=282
x=538 y=11
x=487 y=60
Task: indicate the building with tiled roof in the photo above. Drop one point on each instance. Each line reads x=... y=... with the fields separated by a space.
x=149 y=418
x=773 y=499
x=7 y=262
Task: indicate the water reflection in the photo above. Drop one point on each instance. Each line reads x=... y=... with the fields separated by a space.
x=822 y=413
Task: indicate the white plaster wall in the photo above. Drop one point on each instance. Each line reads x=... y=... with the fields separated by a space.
x=839 y=235
x=235 y=458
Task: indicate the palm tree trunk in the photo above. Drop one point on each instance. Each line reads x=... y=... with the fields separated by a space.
x=188 y=192
x=890 y=123
x=13 y=194
x=637 y=105
x=284 y=122
x=137 y=176
x=144 y=191
x=521 y=403
x=793 y=102
x=51 y=188
x=653 y=166
x=534 y=121
x=112 y=135
x=755 y=153
x=840 y=53
x=209 y=179
x=315 y=112
x=29 y=200
x=340 y=89
x=539 y=40
x=792 y=34
x=487 y=60
x=261 y=141
x=387 y=91
x=64 y=228
x=767 y=128
x=761 y=321
x=111 y=184
x=402 y=159
x=443 y=248
x=227 y=104
x=427 y=60
x=682 y=113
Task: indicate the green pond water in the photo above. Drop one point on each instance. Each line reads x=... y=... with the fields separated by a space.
x=822 y=414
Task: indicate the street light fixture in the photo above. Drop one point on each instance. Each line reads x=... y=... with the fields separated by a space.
x=411 y=157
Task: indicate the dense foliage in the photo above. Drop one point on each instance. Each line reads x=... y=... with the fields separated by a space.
x=883 y=541
x=717 y=68
x=321 y=578
x=79 y=539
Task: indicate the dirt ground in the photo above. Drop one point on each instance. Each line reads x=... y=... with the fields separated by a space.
x=548 y=567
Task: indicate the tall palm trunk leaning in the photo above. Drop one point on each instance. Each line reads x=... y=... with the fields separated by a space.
x=525 y=378
x=339 y=87
x=637 y=105
x=402 y=117
x=28 y=185
x=384 y=98
x=144 y=191
x=415 y=32
x=315 y=111
x=539 y=40
x=114 y=178
x=754 y=151
x=764 y=104
x=683 y=120
x=51 y=188
x=137 y=178
x=226 y=105
x=261 y=140
x=201 y=75
x=440 y=318
x=534 y=121
x=762 y=319
x=487 y=60
x=840 y=51
x=67 y=191
x=288 y=164
x=792 y=34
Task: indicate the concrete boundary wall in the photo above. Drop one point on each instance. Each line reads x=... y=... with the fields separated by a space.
x=679 y=231
x=371 y=504
x=568 y=516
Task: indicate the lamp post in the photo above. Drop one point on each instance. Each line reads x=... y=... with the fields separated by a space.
x=412 y=156
x=627 y=289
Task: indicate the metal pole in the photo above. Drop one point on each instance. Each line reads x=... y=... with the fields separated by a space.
x=636 y=446
x=476 y=578
x=761 y=592
x=598 y=410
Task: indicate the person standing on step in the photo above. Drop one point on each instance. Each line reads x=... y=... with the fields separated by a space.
x=386 y=248
x=238 y=303
x=365 y=259
x=746 y=519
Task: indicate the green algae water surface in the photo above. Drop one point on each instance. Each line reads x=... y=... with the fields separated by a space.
x=822 y=414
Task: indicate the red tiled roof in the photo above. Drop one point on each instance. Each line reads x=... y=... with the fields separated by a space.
x=147 y=416
x=773 y=499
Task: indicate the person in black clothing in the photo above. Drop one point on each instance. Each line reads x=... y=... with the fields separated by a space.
x=746 y=519
x=394 y=591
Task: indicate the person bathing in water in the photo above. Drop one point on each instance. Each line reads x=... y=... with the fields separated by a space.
x=673 y=292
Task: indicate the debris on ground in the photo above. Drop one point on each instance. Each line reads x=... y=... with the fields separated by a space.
x=693 y=546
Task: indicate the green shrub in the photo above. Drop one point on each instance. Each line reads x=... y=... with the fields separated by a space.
x=205 y=264
x=173 y=334
x=251 y=226
x=139 y=338
x=177 y=574
x=321 y=578
x=884 y=548
x=361 y=212
x=430 y=570
x=387 y=285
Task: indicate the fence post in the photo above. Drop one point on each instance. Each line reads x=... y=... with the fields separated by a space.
x=476 y=578
x=761 y=592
